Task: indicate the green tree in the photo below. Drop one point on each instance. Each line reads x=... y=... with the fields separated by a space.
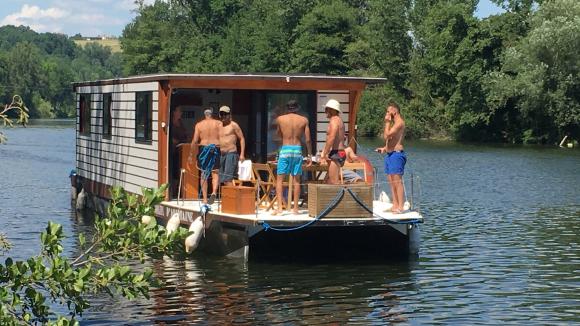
x=211 y=16
x=387 y=33
x=24 y=72
x=540 y=75
x=41 y=68
x=17 y=107
x=454 y=51
x=152 y=42
x=521 y=6
x=323 y=37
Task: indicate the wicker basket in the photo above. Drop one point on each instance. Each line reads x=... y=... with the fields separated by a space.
x=321 y=195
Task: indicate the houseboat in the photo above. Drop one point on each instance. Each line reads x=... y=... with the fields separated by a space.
x=126 y=135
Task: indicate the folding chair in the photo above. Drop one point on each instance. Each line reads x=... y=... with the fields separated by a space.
x=354 y=166
x=265 y=180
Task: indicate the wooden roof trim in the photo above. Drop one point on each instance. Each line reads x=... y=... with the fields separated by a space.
x=202 y=78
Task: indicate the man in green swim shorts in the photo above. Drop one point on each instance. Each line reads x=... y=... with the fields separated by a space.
x=291 y=126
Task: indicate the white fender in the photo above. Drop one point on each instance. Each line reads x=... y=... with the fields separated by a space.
x=406 y=206
x=173 y=223
x=192 y=241
x=81 y=200
x=146 y=219
x=384 y=197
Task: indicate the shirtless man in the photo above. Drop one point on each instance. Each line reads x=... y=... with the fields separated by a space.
x=230 y=134
x=291 y=127
x=333 y=151
x=396 y=159
x=207 y=137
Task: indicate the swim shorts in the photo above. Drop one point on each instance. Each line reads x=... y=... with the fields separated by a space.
x=290 y=160
x=395 y=162
x=205 y=157
x=229 y=166
x=338 y=155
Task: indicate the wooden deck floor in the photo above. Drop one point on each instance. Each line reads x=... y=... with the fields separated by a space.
x=192 y=208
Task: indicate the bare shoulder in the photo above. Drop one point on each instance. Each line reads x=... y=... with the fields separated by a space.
x=335 y=121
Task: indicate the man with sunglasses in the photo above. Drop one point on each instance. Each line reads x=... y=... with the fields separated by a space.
x=230 y=134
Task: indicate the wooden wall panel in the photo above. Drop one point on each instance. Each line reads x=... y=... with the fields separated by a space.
x=118 y=160
x=122 y=145
x=343 y=97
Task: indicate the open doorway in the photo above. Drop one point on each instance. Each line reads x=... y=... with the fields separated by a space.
x=186 y=110
x=255 y=112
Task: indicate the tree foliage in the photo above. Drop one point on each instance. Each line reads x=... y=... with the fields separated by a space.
x=30 y=288
x=18 y=108
x=510 y=77
x=41 y=68
x=539 y=77
x=446 y=67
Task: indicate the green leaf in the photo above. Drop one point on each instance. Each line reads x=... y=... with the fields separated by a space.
x=82 y=239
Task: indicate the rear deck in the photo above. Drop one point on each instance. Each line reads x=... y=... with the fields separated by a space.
x=261 y=235
x=189 y=209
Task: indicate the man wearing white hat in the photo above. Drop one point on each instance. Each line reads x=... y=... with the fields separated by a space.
x=333 y=151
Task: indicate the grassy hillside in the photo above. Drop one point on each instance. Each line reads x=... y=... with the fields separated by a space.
x=114 y=44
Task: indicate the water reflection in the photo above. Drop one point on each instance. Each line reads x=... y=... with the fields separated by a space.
x=223 y=291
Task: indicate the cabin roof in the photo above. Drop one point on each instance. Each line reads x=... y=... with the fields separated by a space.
x=230 y=76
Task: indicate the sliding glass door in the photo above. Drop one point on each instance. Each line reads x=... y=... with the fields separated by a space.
x=275 y=105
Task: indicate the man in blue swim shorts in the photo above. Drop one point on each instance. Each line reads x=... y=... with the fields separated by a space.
x=291 y=126
x=396 y=159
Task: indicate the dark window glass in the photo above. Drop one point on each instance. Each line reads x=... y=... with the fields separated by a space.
x=143 y=116
x=276 y=106
x=85 y=114
x=107 y=120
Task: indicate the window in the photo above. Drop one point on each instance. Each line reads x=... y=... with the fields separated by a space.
x=107 y=120
x=85 y=114
x=143 y=116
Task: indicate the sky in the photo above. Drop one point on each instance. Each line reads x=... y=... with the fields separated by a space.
x=98 y=17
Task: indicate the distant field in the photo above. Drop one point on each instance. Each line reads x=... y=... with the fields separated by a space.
x=113 y=43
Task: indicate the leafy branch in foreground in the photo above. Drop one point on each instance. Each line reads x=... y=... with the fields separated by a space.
x=4 y=243
x=28 y=288
x=22 y=111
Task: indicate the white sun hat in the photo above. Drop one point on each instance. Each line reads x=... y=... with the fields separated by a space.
x=333 y=104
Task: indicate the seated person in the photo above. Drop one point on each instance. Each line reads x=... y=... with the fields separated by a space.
x=349 y=176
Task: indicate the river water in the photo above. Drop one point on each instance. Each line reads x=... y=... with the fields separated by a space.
x=500 y=244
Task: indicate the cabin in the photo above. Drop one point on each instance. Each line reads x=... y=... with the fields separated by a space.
x=135 y=132
x=124 y=129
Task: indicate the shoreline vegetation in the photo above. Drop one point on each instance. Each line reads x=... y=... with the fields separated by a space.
x=509 y=78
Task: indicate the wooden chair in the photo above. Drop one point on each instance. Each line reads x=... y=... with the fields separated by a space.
x=265 y=181
x=354 y=166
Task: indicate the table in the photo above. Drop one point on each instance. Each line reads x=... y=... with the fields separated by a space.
x=316 y=169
